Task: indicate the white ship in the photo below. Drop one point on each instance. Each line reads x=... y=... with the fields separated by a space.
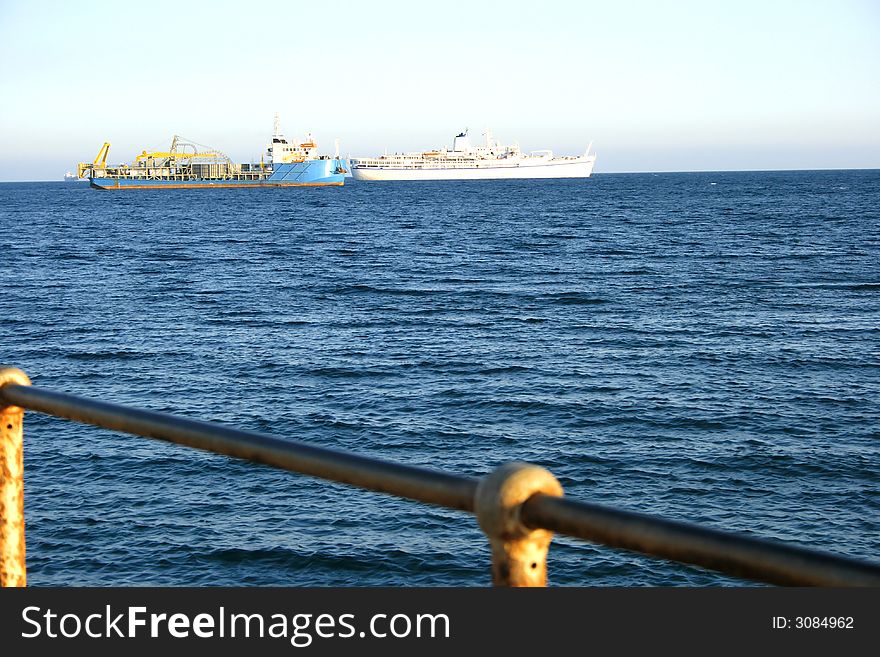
x=466 y=162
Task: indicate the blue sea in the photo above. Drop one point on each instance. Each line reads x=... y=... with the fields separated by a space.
x=700 y=346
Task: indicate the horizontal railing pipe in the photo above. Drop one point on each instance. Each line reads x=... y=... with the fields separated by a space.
x=413 y=482
x=732 y=554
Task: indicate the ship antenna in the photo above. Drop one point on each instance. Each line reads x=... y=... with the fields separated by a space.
x=277 y=125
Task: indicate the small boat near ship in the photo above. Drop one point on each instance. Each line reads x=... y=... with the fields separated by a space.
x=466 y=162
x=187 y=165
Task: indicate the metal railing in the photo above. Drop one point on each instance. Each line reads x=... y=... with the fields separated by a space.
x=517 y=505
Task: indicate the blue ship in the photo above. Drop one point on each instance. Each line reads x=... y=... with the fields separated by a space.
x=188 y=165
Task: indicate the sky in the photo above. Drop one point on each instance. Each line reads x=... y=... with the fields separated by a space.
x=654 y=86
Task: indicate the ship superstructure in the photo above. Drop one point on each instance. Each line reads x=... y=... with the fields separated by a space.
x=187 y=164
x=467 y=162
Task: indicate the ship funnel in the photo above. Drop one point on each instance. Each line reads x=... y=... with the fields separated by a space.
x=461 y=144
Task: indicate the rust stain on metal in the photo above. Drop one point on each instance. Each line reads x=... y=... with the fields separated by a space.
x=12 y=547
x=519 y=553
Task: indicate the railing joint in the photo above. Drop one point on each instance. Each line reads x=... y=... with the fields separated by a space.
x=519 y=553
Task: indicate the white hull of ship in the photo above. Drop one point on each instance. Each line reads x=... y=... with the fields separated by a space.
x=580 y=167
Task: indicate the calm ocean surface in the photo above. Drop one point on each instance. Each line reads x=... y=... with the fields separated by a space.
x=701 y=346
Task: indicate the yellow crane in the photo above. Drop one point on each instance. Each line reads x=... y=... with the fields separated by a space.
x=167 y=154
x=173 y=153
x=99 y=163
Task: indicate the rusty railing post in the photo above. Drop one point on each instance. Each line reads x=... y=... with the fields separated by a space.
x=12 y=564
x=519 y=553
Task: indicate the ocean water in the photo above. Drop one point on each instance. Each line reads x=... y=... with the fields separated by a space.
x=701 y=346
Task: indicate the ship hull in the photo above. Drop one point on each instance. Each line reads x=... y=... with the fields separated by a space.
x=311 y=173
x=577 y=168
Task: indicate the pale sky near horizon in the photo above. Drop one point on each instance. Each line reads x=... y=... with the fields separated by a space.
x=656 y=86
